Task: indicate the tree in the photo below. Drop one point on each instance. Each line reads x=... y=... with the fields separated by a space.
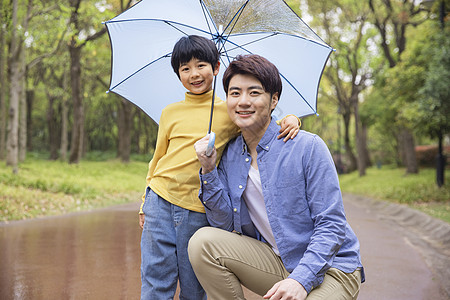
x=392 y=18
x=16 y=79
x=344 y=26
x=434 y=102
x=80 y=26
x=3 y=87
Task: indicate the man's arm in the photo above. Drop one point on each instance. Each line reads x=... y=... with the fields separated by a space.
x=327 y=212
x=213 y=192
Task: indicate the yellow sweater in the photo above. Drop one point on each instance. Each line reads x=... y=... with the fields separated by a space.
x=173 y=170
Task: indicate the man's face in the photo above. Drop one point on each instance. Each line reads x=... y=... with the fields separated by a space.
x=249 y=106
x=197 y=76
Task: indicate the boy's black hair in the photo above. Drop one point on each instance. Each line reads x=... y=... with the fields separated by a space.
x=194 y=46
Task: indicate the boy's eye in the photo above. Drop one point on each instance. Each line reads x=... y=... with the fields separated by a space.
x=184 y=69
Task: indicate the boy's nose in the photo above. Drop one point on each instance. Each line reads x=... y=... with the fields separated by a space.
x=194 y=72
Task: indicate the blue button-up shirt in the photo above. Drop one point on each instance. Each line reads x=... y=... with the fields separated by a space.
x=302 y=197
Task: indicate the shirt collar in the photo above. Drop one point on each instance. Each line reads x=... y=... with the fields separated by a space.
x=267 y=139
x=269 y=136
x=198 y=99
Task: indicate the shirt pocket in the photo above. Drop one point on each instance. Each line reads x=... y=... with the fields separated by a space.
x=289 y=196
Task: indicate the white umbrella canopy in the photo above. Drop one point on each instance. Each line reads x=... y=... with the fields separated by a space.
x=142 y=39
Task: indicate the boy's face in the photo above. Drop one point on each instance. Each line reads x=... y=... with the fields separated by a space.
x=197 y=76
x=249 y=105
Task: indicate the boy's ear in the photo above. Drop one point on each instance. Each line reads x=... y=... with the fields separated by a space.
x=216 y=68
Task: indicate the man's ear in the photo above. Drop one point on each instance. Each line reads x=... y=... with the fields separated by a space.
x=274 y=101
x=216 y=68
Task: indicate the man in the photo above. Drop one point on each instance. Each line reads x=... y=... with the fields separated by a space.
x=279 y=226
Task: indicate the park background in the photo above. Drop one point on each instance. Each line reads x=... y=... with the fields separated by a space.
x=66 y=145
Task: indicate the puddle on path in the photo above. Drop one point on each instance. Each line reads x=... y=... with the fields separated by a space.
x=83 y=256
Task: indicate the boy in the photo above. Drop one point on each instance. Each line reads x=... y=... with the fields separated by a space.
x=171 y=211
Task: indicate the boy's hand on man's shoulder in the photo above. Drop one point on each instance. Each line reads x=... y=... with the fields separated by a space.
x=290 y=125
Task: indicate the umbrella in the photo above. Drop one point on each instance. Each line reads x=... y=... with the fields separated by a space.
x=142 y=39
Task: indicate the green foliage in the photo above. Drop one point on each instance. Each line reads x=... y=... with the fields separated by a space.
x=417 y=190
x=51 y=188
x=433 y=105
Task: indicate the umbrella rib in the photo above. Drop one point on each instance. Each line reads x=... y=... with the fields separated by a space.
x=171 y=23
x=205 y=10
x=139 y=70
x=298 y=92
x=236 y=16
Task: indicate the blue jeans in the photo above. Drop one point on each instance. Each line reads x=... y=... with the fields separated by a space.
x=164 y=256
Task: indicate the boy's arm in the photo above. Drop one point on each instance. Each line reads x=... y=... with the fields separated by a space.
x=290 y=125
x=162 y=142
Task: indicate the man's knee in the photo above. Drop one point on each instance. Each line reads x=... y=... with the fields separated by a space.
x=199 y=243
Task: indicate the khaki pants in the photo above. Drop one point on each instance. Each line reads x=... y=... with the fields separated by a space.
x=223 y=261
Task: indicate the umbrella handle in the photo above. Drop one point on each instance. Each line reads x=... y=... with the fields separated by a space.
x=210 y=147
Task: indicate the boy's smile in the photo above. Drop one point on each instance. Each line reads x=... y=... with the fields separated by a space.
x=197 y=76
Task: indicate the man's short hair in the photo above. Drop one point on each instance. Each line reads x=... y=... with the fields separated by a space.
x=252 y=64
x=194 y=46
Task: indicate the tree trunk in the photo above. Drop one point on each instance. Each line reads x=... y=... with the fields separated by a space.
x=365 y=153
x=78 y=110
x=124 y=127
x=52 y=128
x=137 y=130
x=23 y=122
x=360 y=161
x=30 y=100
x=348 y=148
x=12 y=147
x=440 y=162
x=2 y=86
x=406 y=142
x=64 y=130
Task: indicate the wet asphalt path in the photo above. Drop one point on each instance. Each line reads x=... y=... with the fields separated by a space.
x=96 y=255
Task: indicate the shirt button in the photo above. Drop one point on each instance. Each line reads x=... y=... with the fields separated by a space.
x=267 y=147
x=204 y=202
x=205 y=182
x=247 y=159
x=235 y=210
x=240 y=186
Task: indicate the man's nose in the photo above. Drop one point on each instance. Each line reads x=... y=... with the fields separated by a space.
x=245 y=100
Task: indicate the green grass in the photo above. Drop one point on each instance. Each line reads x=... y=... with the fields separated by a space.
x=43 y=187
x=416 y=190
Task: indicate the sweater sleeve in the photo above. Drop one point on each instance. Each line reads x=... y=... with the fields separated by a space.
x=162 y=142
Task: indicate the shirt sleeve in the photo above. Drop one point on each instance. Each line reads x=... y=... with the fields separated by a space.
x=162 y=142
x=327 y=212
x=215 y=198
